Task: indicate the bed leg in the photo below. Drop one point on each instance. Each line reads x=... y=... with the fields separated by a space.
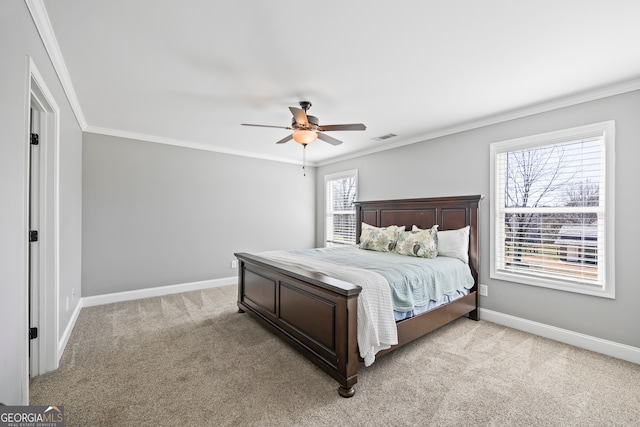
x=240 y=310
x=474 y=315
x=346 y=392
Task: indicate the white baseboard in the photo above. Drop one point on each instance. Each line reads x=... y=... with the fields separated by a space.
x=610 y=348
x=155 y=292
x=64 y=339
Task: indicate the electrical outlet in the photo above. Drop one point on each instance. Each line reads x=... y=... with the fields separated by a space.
x=234 y=263
x=484 y=290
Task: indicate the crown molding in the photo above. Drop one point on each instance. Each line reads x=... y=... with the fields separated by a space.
x=186 y=144
x=43 y=25
x=555 y=104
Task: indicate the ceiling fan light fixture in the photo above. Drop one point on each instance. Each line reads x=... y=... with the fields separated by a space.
x=304 y=137
x=306 y=128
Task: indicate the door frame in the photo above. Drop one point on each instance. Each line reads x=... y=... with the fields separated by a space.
x=45 y=293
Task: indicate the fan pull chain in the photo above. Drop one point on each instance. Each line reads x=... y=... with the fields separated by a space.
x=304 y=159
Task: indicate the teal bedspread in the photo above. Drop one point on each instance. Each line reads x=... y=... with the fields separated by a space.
x=412 y=281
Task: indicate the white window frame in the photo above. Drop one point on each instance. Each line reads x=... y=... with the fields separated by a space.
x=606 y=279
x=327 y=206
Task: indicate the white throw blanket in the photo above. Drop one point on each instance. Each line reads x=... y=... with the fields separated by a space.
x=376 y=324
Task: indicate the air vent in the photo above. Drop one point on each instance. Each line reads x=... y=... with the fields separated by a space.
x=384 y=137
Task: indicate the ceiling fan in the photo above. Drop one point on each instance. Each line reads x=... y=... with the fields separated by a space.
x=306 y=129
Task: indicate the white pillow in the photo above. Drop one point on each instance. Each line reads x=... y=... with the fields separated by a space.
x=453 y=243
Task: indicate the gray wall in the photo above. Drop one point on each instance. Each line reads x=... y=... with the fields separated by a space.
x=19 y=38
x=458 y=164
x=157 y=214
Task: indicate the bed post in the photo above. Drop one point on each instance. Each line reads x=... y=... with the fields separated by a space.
x=349 y=366
x=240 y=285
x=474 y=252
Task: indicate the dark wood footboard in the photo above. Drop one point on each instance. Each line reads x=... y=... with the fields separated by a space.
x=314 y=313
x=317 y=314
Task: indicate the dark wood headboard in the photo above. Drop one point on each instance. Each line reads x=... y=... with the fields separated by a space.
x=449 y=213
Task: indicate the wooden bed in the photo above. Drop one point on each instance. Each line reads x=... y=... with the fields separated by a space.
x=316 y=314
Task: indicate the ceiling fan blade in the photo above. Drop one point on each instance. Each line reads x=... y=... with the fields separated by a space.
x=285 y=139
x=353 y=126
x=329 y=139
x=299 y=115
x=267 y=126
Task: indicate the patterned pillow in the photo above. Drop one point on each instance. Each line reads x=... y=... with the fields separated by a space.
x=421 y=243
x=379 y=239
x=453 y=243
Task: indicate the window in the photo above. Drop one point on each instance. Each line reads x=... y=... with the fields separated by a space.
x=552 y=210
x=340 y=212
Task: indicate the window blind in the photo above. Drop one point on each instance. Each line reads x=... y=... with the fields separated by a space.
x=340 y=190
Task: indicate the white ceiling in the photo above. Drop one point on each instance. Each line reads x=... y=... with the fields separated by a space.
x=190 y=71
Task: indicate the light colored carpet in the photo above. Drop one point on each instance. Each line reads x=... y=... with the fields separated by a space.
x=191 y=360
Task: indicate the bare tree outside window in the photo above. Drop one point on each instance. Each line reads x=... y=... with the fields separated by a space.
x=583 y=193
x=533 y=179
x=540 y=183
